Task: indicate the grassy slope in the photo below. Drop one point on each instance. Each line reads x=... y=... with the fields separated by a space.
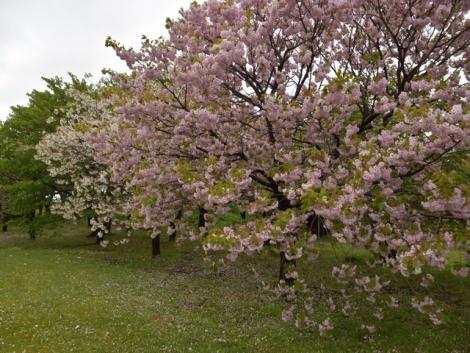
x=63 y=294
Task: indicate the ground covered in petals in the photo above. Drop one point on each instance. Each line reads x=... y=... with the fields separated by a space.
x=62 y=293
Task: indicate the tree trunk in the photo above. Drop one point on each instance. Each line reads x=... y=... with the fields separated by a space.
x=108 y=226
x=5 y=227
x=32 y=232
x=88 y=220
x=156 y=246
x=284 y=267
x=202 y=220
x=172 y=234
x=99 y=239
x=94 y=234
x=243 y=215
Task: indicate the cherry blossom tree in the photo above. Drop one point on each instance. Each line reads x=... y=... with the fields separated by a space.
x=337 y=114
x=70 y=159
x=135 y=152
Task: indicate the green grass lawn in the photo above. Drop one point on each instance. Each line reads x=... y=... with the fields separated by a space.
x=62 y=293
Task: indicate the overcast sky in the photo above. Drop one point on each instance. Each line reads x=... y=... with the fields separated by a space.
x=53 y=37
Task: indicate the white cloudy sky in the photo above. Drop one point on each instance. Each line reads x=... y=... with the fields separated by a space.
x=53 y=37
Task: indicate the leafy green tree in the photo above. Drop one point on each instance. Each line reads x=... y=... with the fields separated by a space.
x=24 y=181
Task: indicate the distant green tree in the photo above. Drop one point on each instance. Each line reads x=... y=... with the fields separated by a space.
x=27 y=187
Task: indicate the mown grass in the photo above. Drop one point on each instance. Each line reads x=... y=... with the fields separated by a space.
x=62 y=293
